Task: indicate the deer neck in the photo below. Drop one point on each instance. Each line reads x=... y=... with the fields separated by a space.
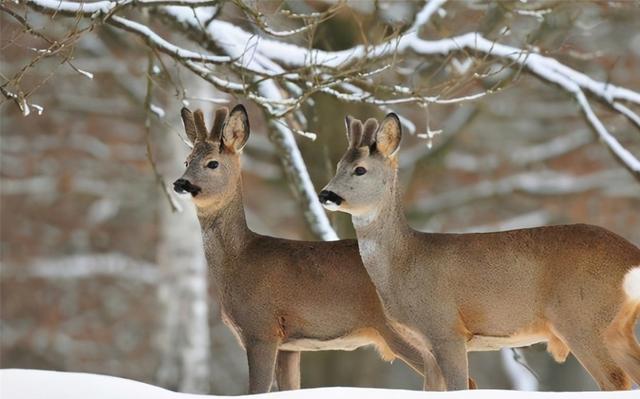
x=381 y=234
x=225 y=233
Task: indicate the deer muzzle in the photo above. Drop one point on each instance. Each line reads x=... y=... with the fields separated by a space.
x=329 y=199
x=182 y=186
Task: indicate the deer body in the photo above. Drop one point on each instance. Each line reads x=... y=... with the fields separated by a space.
x=576 y=287
x=279 y=297
x=275 y=288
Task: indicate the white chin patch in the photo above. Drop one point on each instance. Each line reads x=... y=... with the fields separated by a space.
x=184 y=195
x=332 y=206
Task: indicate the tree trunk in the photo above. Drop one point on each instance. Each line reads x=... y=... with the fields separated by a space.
x=183 y=339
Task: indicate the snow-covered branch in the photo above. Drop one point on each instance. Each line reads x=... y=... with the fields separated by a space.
x=268 y=94
x=280 y=76
x=299 y=177
x=546 y=68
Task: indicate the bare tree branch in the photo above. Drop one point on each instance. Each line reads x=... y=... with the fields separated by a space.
x=280 y=76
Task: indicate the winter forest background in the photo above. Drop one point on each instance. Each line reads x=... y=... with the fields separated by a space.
x=101 y=273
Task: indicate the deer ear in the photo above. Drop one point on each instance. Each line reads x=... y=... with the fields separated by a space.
x=369 y=132
x=347 y=125
x=189 y=124
x=235 y=132
x=201 y=126
x=388 y=135
x=354 y=131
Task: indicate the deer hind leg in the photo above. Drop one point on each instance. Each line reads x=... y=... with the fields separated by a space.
x=621 y=341
x=587 y=344
x=288 y=370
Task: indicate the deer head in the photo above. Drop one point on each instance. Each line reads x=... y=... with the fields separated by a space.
x=213 y=167
x=367 y=170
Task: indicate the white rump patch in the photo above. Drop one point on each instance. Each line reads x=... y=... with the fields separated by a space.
x=631 y=284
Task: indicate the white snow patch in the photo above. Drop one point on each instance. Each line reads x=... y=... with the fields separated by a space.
x=38 y=108
x=94 y=7
x=24 y=106
x=157 y=111
x=37 y=384
x=631 y=283
x=84 y=73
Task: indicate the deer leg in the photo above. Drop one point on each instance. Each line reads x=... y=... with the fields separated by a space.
x=621 y=341
x=626 y=352
x=405 y=351
x=589 y=348
x=433 y=378
x=451 y=355
x=261 y=356
x=288 y=370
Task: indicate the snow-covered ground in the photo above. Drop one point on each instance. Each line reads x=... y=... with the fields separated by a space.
x=40 y=384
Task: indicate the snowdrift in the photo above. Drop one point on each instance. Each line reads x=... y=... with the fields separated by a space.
x=40 y=384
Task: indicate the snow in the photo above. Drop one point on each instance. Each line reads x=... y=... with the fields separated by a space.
x=38 y=384
x=425 y=14
x=161 y=43
x=88 y=8
x=82 y=72
x=157 y=111
x=38 y=108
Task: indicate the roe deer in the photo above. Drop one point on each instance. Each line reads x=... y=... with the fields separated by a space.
x=575 y=286
x=279 y=297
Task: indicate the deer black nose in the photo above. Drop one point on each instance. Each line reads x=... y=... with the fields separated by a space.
x=327 y=196
x=182 y=186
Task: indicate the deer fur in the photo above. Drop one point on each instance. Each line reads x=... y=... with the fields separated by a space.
x=279 y=297
x=575 y=286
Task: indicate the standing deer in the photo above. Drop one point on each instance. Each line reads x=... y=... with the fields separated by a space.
x=575 y=286
x=279 y=297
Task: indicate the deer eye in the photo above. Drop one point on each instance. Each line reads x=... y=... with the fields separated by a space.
x=359 y=171
x=212 y=164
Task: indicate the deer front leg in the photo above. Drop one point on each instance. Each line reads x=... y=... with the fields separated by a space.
x=433 y=377
x=288 y=370
x=261 y=356
x=451 y=355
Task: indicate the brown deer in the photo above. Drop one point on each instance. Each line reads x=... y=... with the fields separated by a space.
x=279 y=297
x=575 y=286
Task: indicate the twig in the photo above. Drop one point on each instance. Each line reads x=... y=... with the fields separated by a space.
x=175 y=207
